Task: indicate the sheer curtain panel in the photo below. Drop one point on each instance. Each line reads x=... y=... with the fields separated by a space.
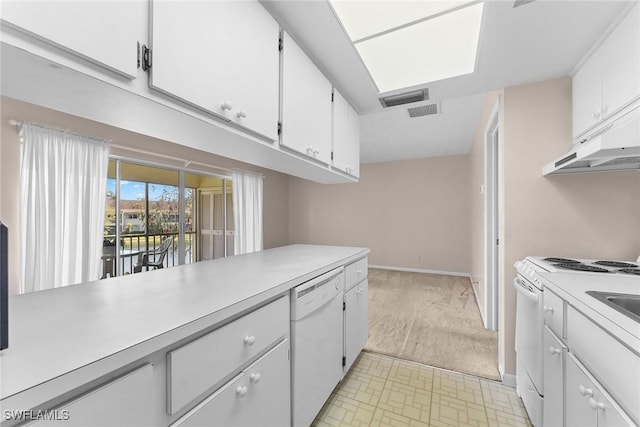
x=247 y=211
x=62 y=202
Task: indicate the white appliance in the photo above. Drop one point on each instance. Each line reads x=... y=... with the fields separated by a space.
x=316 y=344
x=613 y=146
x=530 y=318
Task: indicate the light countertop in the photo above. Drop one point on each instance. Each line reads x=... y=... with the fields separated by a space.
x=572 y=287
x=66 y=330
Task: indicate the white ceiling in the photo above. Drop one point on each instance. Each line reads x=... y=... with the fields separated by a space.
x=533 y=42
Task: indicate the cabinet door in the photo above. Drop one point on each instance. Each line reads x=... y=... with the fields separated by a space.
x=125 y=401
x=306 y=104
x=554 y=359
x=219 y=56
x=587 y=401
x=579 y=389
x=587 y=94
x=356 y=322
x=346 y=136
x=260 y=395
x=103 y=32
x=621 y=58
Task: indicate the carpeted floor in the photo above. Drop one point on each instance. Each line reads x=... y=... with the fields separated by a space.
x=430 y=319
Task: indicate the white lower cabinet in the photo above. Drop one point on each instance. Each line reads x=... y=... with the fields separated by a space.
x=356 y=320
x=258 y=396
x=554 y=361
x=125 y=401
x=588 y=404
x=356 y=310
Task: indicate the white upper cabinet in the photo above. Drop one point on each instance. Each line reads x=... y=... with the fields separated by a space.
x=219 y=56
x=610 y=79
x=103 y=32
x=346 y=136
x=306 y=104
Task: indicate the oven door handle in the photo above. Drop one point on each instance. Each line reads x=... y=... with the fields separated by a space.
x=523 y=291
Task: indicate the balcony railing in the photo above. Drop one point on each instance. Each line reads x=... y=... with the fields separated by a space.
x=141 y=243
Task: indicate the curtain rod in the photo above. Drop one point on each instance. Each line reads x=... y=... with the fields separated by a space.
x=20 y=123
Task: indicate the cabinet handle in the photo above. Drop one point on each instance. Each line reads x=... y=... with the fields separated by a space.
x=585 y=391
x=241 y=391
x=241 y=114
x=316 y=151
x=226 y=106
x=255 y=378
x=548 y=309
x=310 y=150
x=359 y=290
x=596 y=115
x=595 y=405
x=554 y=351
x=605 y=108
x=249 y=340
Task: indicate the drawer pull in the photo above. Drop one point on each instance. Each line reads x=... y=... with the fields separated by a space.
x=595 y=405
x=226 y=106
x=359 y=290
x=249 y=340
x=555 y=351
x=241 y=391
x=255 y=378
x=241 y=114
x=548 y=309
x=585 y=391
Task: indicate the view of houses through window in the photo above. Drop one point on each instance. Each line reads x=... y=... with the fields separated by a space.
x=152 y=209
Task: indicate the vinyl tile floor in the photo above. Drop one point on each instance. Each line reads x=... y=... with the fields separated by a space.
x=381 y=390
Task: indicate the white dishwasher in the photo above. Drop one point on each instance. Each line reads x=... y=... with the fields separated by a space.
x=316 y=344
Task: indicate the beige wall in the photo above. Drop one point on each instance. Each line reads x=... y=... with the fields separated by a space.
x=587 y=215
x=412 y=214
x=275 y=185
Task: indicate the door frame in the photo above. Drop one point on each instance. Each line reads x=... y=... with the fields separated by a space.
x=492 y=143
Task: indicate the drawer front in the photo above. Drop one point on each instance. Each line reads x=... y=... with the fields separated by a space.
x=125 y=401
x=612 y=363
x=355 y=273
x=554 y=312
x=200 y=365
x=259 y=396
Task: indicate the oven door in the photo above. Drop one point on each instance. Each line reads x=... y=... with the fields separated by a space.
x=529 y=337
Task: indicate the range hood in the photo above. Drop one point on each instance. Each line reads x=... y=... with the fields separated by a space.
x=613 y=146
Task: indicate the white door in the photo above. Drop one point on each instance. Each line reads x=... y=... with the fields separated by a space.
x=356 y=322
x=492 y=221
x=306 y=104
x=103 y=32
x=220 y=56
x=346 y=136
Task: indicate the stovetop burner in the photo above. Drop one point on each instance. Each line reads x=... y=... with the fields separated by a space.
x=562 y=260
x=582 y=267
x=616 y=264
x=635 y=271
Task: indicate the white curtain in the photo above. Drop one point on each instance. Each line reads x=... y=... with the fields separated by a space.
x=247 y=211
x=62 y=201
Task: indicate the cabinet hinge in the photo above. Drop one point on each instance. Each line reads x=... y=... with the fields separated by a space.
x=344 y=361
x=279 y=44
x=344 y=306
x=146 y=58
x=279 y=128
x=331 y=96
x=332 y=155
x=497 y=241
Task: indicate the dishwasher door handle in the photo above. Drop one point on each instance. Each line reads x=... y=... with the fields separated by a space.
x=531 y=296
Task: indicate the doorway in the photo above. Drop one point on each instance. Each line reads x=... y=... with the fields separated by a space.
x=492 y=219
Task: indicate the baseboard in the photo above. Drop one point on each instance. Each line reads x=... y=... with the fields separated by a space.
x=508 y=379
x=475 y=285
x=421 y=270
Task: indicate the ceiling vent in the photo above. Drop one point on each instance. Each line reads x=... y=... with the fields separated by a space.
x=521 y=2
x=404 y=98
x=425 y=110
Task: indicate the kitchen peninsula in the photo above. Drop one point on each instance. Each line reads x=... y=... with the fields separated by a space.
x=155 y=348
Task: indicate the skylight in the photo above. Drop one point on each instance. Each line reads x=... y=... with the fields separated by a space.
x=408 y=43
